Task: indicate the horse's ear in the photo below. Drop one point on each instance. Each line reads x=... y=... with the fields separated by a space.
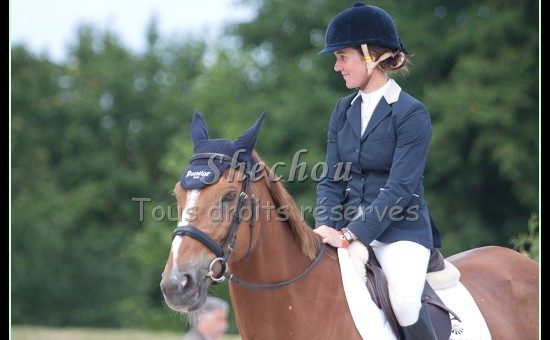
x=248 y=139
x=199 y=131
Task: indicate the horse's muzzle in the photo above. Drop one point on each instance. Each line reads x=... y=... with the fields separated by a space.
x=184 y=291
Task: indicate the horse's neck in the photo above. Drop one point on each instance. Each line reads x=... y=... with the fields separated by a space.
x=300 y=308
x=275 y=258
x=276 y=255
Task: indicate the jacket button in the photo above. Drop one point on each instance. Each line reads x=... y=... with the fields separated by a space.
x=362 y=179
x=356 y=151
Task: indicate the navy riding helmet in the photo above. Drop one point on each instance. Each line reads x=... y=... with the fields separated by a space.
x=362 y=24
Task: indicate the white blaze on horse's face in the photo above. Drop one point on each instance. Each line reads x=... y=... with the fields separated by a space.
x=186 y=215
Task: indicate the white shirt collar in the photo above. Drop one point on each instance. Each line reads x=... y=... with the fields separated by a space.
x=390 y=91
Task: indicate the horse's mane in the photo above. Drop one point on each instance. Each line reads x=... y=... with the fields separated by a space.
x=308 y=241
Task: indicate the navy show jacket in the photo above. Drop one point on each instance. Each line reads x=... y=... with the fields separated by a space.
x=382 y=196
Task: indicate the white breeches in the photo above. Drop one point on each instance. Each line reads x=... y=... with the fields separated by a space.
x=404 y=263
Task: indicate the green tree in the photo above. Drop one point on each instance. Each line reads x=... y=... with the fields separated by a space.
x=529 y=243
x=483 y=167
x=87 y=136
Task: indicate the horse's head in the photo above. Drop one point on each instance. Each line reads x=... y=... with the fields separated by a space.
x=211 y=198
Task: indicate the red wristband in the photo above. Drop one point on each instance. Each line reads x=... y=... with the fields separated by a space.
x=345 y=242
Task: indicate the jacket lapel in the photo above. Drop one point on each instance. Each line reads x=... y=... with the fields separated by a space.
x=354 y=117
x=380 y=112
x=383 y=108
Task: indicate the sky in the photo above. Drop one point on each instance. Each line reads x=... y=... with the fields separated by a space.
x=50 y=26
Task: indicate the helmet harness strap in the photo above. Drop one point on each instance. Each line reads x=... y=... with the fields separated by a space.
x=372 y=64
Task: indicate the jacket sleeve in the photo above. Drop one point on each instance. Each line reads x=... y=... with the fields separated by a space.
x=414 y=133
x=330 y=190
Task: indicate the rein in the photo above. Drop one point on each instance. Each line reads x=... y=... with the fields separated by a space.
x=242 y=283
x=231 y=238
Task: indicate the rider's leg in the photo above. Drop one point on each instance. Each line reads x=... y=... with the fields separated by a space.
x=404 y=263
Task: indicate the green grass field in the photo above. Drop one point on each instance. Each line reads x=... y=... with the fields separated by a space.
x=44 y=333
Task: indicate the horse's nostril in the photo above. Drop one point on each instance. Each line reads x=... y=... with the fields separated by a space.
x=184 y=282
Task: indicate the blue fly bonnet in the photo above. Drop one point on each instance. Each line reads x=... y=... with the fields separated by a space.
x=211 y=157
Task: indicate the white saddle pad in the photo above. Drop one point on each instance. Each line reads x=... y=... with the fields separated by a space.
x=372 y=324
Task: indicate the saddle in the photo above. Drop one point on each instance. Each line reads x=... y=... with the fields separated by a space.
x=378 y=289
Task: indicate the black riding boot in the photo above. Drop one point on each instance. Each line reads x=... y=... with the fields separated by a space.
x=422 y=329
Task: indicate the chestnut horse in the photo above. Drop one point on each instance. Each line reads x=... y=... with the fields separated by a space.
x=284 y=283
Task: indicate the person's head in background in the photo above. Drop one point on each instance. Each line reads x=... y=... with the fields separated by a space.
x=211 y=319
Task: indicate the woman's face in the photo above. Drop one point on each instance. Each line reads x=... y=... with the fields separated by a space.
x=352 y=66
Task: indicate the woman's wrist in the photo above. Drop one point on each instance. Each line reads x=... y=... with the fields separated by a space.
x=343 y=240
x=348 y=235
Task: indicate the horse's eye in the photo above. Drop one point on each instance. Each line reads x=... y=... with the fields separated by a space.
x=229 y=197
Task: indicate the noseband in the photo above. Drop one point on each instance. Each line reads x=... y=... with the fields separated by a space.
x=231 y=238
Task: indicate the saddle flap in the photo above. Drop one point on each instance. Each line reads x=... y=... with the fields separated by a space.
x=378 y=288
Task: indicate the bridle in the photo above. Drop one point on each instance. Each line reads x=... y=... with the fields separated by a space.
x=230 y=239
